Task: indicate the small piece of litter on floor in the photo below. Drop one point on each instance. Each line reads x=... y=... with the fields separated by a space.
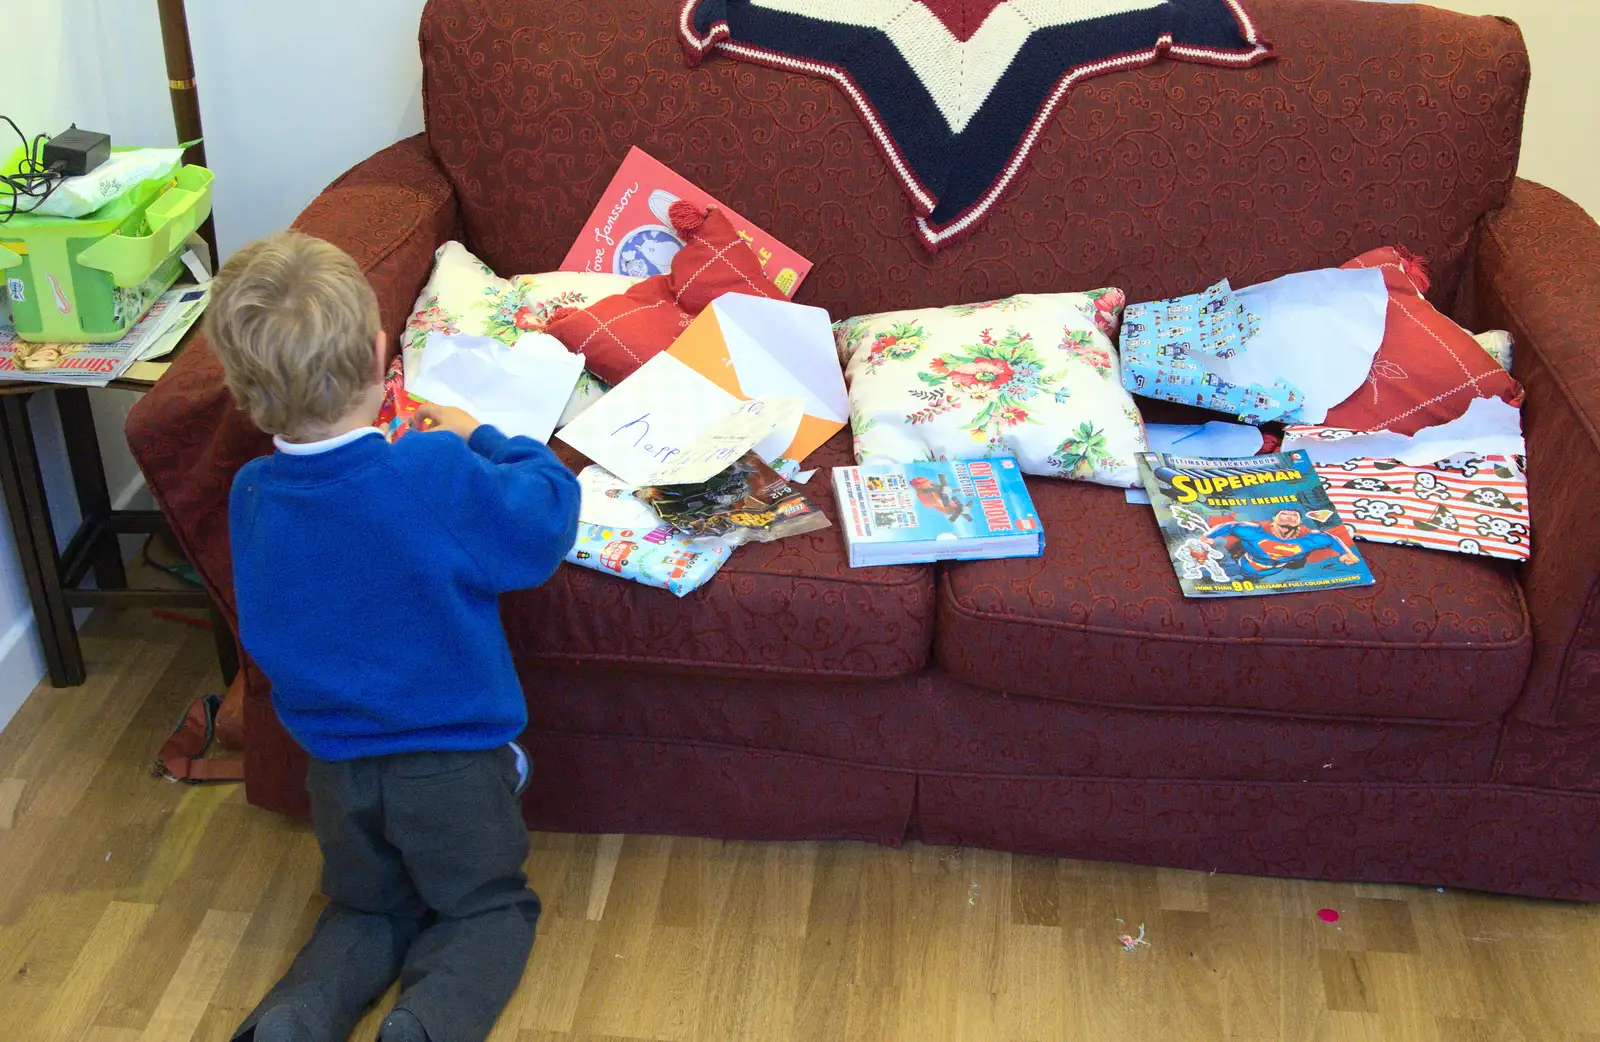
x=108 y=855
x=1131 y=943
x=1211 y=873
x=1440 y=889
x=972 y=893
x=1328 y=915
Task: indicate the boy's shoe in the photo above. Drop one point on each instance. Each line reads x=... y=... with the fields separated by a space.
x=401 y=1025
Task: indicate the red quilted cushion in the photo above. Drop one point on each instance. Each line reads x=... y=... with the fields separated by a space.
x=618 y=334
x=1428 y=369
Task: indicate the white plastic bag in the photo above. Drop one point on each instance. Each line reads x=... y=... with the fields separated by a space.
x=85 y=194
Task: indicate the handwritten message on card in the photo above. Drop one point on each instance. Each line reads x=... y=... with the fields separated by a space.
x=727 y=439
x=647 y=419
x=666 y=424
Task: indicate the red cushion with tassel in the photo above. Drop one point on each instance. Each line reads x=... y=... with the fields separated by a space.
x=618 y=334
x=1428 y=369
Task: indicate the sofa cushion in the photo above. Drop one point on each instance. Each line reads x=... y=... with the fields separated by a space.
x=1100 y=619
x=1033 y=376
x=464 y=296
x=618 y=334
x=1428 y=369
x=793 y=607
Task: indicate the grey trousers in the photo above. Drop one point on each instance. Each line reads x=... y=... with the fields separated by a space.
x=422 y=865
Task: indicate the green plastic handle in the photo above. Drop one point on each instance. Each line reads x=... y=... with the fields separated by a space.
x=172 y=216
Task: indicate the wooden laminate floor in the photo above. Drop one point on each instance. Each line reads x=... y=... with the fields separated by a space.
x=134 y=909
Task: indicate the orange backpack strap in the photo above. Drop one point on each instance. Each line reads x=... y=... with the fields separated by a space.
x=212 y=717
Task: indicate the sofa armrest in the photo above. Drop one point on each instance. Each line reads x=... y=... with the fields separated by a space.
x=1538 y=275
x=390 y=213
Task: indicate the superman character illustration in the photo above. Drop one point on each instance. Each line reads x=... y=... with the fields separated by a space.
x=1258 y=549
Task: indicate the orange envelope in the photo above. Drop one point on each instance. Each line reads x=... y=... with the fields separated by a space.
x=755 y=347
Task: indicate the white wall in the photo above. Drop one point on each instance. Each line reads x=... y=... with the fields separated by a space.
x=294 y=93
x=97 y=63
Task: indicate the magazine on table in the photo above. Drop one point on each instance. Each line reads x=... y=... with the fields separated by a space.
x=955 y=510
x=1250 y=526
x=96 y=365
x=185 y=305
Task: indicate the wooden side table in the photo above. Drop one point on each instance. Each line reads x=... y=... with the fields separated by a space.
x=55 y=580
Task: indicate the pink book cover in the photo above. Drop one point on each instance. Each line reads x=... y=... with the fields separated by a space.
x=629 y=233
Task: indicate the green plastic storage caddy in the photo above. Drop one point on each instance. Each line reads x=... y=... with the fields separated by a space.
x=89 y=279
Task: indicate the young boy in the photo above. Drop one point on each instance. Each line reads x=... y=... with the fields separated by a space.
x=367 y=576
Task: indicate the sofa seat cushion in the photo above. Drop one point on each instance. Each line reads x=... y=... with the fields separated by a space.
x=793 y=607
x=1100 y=619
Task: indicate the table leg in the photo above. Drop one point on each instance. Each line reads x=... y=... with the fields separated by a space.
x=89 y=478
x=36 y=542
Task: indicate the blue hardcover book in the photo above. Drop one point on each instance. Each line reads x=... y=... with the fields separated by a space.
x=956 y=510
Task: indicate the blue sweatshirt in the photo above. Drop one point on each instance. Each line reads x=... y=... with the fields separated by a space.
x=368 y=576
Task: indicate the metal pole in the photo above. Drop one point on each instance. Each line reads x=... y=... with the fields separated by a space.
x=185 y=99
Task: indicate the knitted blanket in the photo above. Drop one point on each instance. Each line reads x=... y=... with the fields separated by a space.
x=957 y=91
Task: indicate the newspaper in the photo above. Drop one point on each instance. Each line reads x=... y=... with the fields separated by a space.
x=96 y=365
x=184 y=311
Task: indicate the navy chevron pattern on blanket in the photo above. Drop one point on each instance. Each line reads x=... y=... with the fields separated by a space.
x=957 y=91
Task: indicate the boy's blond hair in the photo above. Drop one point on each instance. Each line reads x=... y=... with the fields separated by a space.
x=293 y=321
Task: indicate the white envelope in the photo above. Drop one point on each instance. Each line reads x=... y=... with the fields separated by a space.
x=520 y=390
x=1489 y=427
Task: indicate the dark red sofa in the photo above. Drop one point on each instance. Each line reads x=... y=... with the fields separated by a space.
x=1440 y=727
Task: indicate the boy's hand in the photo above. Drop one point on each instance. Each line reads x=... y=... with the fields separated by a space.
x=431 y=417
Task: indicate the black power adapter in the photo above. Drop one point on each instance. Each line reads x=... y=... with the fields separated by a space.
x=73 y=152
x=40 y=171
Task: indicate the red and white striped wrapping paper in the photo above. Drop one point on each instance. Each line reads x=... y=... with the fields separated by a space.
x=1466 y=504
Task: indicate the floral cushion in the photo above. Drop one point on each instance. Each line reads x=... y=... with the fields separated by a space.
x=464 y=296
x=1499 y=344
x=1034 y=376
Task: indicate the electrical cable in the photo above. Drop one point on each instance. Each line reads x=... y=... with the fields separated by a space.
x=32 y=175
